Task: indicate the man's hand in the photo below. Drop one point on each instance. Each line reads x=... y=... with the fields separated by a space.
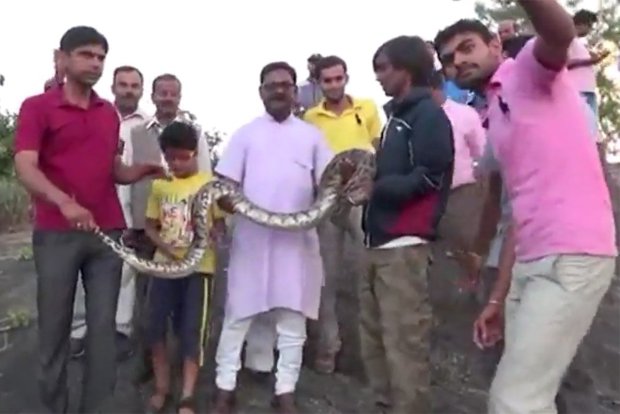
x=153 y=170
x=599 y=55
x=77 y=216
x=347 y=169
x=130 y=239
x=489 y=325
x=359 y=192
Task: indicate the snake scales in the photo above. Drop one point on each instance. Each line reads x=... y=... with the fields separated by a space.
x=333 y=198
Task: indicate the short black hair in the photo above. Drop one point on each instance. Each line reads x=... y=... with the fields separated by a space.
x=125 y=69
x=165 y=77
x=315 y=57
x=513 y=46
x=273 y=66
x=585 y=17
x=460 y=27
x=179 y=135
x=411 y=54
x=79 y=36
x=437 y=80
x=329 y=62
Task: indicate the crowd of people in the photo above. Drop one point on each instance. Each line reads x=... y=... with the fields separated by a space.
x=490 y=144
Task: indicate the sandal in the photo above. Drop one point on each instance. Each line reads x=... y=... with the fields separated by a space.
x=188 y=403
x=156 y=409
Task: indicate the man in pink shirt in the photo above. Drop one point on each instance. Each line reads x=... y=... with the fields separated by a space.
x=582 y=61
x=459 y=224
x=562 y=233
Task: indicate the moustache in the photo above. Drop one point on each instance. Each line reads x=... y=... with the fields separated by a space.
x=278 y=98
x=129 y=95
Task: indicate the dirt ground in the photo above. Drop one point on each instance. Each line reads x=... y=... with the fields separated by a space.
x=460 y=380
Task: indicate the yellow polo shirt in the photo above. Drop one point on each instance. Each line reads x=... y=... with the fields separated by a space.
x=356 y=127
x=170 y=203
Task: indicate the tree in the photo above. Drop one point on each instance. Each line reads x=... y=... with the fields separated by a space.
x=606 y=33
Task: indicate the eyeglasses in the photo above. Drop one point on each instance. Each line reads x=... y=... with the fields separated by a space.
x=272 y=87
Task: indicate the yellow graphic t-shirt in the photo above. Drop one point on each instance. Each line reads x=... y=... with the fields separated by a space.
x=170 y=203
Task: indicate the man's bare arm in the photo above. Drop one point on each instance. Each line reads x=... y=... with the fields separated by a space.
x=507 y=259
x=555 y=29
x=129 y=174
x=595 y=59
x=31 y=177
x=491 y=213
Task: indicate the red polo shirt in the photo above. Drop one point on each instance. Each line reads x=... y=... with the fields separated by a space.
x=76 y=149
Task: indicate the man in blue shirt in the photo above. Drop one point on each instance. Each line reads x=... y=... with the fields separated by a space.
x=452 y=91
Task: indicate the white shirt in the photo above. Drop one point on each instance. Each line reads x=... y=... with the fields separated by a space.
x=583 y=77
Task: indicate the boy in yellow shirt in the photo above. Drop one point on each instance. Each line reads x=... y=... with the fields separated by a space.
x=185 y=300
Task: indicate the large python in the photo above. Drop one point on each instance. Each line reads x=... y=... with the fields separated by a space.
x=333 y=198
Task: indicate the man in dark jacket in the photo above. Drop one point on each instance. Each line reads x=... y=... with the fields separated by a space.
x=414 y=173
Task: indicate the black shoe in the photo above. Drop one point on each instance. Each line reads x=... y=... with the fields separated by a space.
x=77 y=347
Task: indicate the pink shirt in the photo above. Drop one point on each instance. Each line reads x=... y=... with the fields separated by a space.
x=584 y=77
x=549 y=163
x=469 y=140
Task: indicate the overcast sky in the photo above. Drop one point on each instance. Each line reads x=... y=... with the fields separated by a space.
x=216 y=48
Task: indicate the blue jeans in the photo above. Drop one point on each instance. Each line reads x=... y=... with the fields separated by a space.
x=590 y=98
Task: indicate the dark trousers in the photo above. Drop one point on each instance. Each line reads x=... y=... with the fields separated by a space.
x=59 y=256
x=144 y=248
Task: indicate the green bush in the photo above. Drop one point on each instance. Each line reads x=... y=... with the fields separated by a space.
x=14 y=201
x=7 y=129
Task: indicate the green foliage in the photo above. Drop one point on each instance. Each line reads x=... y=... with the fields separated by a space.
x=7 y=129
x=14 y=200
x=607 y=31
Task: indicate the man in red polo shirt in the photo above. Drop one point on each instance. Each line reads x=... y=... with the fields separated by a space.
x=67 y=156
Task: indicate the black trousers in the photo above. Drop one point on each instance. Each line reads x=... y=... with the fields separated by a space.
x=143 y=371
x=59 y=256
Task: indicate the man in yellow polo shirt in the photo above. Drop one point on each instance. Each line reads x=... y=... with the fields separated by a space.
x=347 y=123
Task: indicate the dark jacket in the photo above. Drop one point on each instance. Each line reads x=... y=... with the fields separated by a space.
x=415 y=162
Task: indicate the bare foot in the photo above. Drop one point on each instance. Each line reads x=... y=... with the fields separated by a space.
x=158 y=401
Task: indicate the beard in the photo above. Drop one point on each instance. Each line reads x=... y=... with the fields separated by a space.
x=335 y=96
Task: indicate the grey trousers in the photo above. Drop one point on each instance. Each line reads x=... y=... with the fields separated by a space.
x=59 y=257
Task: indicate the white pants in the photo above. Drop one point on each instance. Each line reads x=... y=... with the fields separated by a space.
x=124 y=310
x=549 y=309
x=290 y=339
x=260 y=343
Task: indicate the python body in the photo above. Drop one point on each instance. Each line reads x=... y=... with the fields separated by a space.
x=333 y=198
